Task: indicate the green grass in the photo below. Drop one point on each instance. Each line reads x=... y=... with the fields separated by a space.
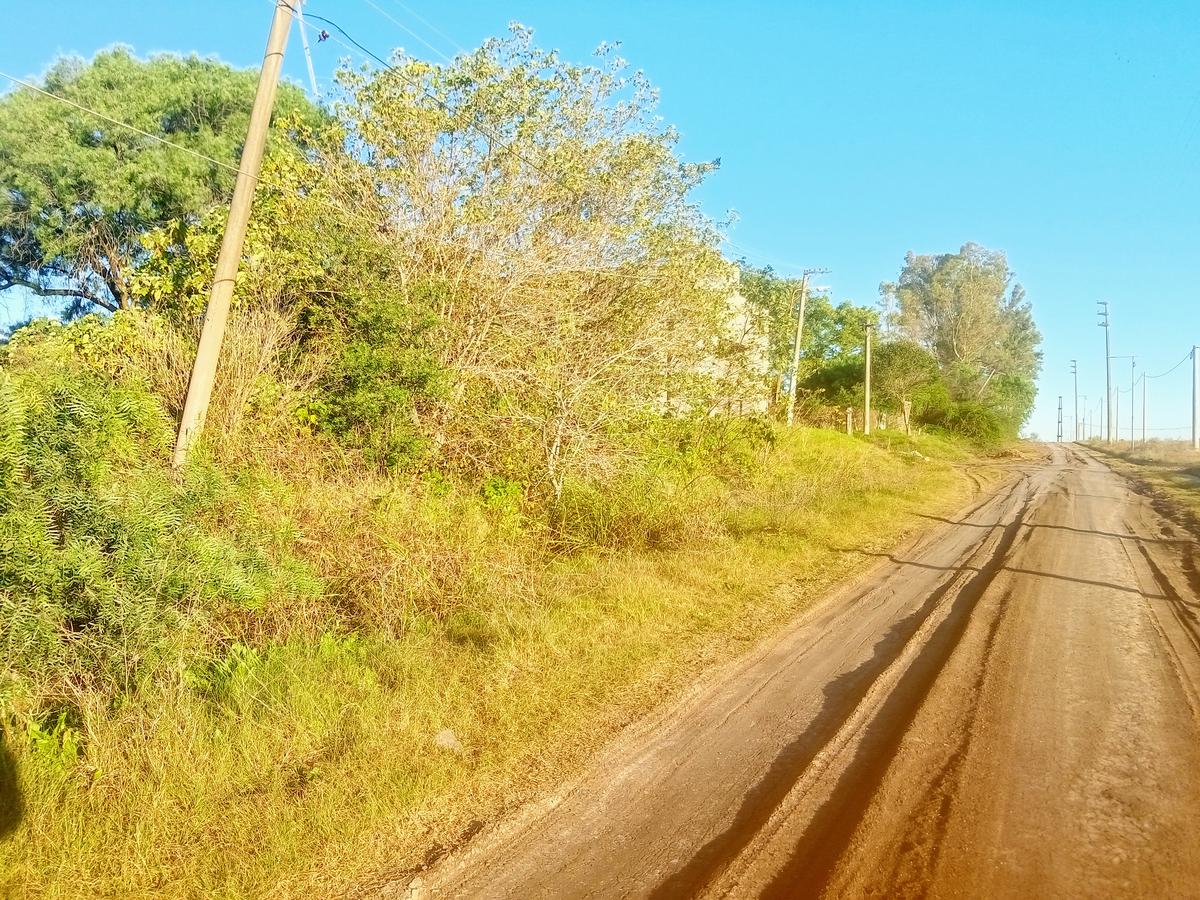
x=308 y=767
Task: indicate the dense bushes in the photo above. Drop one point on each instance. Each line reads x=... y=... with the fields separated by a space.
x=109 y=567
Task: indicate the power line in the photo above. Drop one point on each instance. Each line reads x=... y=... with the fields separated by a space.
x=1173 y=368
x=429 y=95
x=416 y=15
x=761 y=259
x=126 y=125
x=383 y=12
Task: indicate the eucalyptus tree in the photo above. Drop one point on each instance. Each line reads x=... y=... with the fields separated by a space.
x=967 y=309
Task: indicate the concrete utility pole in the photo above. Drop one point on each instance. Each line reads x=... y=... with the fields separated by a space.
x=1060 y=430
x=1075 y=373
x=312 y=74
x=791 y=404
x=1103 y=312
x=1115 y=412
x=217 y=312
x=867 y=391
x=1143 y=409
x=1132 y=404
x=1195 y=397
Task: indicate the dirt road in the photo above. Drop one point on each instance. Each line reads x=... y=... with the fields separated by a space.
x=1006 y=708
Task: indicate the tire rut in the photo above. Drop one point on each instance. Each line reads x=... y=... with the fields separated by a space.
x=814 y=860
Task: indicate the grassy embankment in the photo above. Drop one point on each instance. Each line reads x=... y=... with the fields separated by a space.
x=1168 y=469
x=306 y=767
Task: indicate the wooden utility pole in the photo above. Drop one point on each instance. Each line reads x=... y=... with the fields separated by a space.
x=216 y=314
x=1060 y=431
x=867 y=388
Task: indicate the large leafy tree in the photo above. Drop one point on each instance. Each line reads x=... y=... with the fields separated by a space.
x=968 y=311
x=503 y=256
x=580 y=286
x=77 y=193
x=905 y=372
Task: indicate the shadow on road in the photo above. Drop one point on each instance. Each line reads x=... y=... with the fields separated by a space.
x=12 y=808
x=891 y=557
x=1107 y=534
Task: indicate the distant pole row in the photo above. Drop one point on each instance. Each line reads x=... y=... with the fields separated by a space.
x=1110 y=429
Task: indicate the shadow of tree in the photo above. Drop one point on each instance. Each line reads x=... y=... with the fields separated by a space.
x=11 y=805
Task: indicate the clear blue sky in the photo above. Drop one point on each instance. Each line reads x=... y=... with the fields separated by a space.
x=1065 y=133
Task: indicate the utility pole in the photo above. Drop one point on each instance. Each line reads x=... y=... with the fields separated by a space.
x=1115 y=411
x=791 y=404
x=312 y=75
x=1132 y=404
x=1195 y=397
x=1075 y=373
x=1103 y=313
x=1060 y=430
x=1144 y=379
x=217 y=312
x=867 y=391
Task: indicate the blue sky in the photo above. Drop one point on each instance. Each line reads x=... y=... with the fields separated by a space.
x=1063 y=133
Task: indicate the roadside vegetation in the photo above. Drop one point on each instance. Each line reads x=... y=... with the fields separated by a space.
x=1168 y=469
x=492 y=467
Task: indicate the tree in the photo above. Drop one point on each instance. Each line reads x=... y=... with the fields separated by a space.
x=832 y=344
x=78 y=192
x=501 y=255
x=967 y=310
x=906 y=379
x=582 y=287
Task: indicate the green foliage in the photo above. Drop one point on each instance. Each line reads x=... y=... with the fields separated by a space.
x=501 y=493
x=55 y=740
x=77 y=192
x=368 y=322
x=108 y=565
x=671 y=491
x=902 y=371
x=775 y=301
x=381 y=371
x=966 y=309
x=221 y=679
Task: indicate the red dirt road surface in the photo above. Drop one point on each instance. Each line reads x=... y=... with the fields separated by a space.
x=1006 y=708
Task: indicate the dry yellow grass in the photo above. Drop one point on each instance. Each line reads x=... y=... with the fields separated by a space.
x=1168 y=469
x=317 y=774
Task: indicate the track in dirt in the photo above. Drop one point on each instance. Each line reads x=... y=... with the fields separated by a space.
x=1007 y=708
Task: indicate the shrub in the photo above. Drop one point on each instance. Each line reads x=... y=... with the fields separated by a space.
x=109 y=565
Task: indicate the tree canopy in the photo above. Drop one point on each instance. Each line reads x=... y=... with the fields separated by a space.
x=78 y=192
x=968 y=311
